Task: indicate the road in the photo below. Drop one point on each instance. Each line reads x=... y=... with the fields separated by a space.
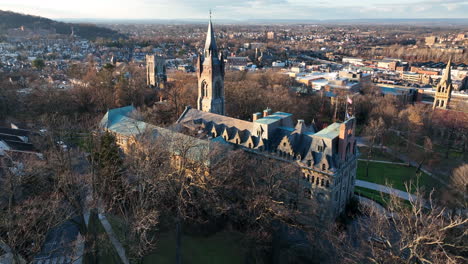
x=385 y=189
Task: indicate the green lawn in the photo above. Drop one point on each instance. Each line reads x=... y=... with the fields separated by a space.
x=222 y=247
x=377 y=154
x=371 y=194
x=394 y=175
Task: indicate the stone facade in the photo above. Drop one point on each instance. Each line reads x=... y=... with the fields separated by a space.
x=327 y=158
x=155 y=71
x=444 y=90
x=210 y=73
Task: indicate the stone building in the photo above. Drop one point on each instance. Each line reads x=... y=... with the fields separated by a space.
x=155 y=71
x=210 y=73
x=444 y=89
x=327 y=158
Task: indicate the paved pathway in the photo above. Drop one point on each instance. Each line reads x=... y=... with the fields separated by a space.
x=361 y=141
x=386 y=162
x=113 y=238
x=386 y=189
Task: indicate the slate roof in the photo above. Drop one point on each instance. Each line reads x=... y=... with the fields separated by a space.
x=14 y=132
x=273 y=118
x=19 y=146
x=59 y=245
x=119 y=121
x=330 y=131
x=300 y=141
x=195 y=114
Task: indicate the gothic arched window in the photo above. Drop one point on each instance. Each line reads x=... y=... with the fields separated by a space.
x=204 y=89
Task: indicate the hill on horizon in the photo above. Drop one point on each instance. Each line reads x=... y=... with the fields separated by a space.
x=10 y=20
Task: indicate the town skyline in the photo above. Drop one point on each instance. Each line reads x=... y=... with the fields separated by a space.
x=241 y=10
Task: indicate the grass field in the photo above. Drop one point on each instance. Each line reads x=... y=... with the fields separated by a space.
x=371 y=194
x=222 y=247
x=377 y=154
x=394 y=175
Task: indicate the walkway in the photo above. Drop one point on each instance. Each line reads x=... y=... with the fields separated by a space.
x=385 y=189
x=361 y=141
x=113 y=238
x=386 y=162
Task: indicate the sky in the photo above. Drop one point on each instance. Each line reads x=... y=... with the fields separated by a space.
x=239 y=9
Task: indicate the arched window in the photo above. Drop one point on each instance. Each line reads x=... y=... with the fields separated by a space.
x=323 y=167
x=204 y=89
x=322 y=182
x=250 y=145
x=328 y=183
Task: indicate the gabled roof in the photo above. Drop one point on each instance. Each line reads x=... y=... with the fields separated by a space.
x=194 y=114
x=331 y=132
x=14 y=132
x=19 y=146
x=114 y=115
x=119 y=121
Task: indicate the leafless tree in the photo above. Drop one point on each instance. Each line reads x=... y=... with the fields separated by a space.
x=419 y=232
x=374 y=131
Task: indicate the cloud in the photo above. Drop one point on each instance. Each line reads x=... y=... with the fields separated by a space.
x=242 y=9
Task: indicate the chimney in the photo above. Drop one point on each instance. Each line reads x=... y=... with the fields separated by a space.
x=266 y=112
x=256 y=116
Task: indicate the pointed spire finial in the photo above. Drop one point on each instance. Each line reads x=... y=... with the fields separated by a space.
x=447 y=74
x=210 y=44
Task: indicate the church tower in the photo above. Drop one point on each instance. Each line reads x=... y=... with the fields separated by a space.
x=444 y=89
x=210 y=75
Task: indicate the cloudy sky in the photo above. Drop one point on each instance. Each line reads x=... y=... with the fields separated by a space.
x=240 y=9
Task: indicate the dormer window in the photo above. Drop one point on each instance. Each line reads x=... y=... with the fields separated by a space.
x=320 y=148
x=324 y=167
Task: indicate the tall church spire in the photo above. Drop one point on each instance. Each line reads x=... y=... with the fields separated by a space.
x=448 y=72
x=210 y=43
x=444 y=89
x=210 y=75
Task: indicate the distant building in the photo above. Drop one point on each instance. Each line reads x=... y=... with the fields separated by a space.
x=354 y=61
x=355 y=76
x=237 y=63
x=278 y=64
x=271 y=35
x=461 y=37
x=156 y=71
x=388 y=64
x=430 y=40
x=15 y=141
x=444 y=89
x=411 y=77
